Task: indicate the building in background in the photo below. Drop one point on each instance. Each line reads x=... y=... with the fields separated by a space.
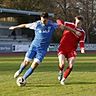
x=12 y=39
x=10 y=17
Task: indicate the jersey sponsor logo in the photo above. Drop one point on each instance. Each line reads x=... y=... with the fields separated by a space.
x=47 y=30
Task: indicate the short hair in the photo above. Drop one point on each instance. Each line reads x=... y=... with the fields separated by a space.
x=81 y=18
x=44 y=15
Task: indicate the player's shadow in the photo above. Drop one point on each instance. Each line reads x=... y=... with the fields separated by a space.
x=41 y=85
x=77 y=83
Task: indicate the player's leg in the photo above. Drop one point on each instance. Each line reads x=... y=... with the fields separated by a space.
x=61 y=58
x=70 y=67
x=27 y=74
x=68 y=70
x=31 y=69
x=70 y=57
x=22 y=66
x=28 y=57
x=38 y=59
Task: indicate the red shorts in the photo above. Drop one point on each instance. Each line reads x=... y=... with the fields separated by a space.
x=68 y=54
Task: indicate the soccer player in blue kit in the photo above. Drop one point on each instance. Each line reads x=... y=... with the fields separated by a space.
x=44 y=29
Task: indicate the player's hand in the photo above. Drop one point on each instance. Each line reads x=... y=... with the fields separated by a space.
x=12 y=28
x=82 y=50
x=62 y=27
x=78 y=33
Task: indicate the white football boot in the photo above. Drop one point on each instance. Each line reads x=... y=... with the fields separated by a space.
x=16 y=74
x=62 y=81
x=60 y=75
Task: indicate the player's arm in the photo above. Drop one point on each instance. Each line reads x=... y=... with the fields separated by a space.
x=82 y=47
x=29 y=25
x=81 y=42
x=18 y=26
x=62 y=26
x=71 y=30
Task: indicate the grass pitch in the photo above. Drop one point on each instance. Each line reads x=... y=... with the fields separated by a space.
x=43 y=82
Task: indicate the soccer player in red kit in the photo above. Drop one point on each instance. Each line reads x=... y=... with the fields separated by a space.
x=72 y=35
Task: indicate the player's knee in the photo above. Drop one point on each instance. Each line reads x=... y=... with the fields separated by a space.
x=26 y=62
x=34 y=65
x=61 y=66
x=70 y=66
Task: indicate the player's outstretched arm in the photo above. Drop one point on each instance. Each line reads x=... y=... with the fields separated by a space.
x=18 y=26
x=71 y=30
x=62 y=26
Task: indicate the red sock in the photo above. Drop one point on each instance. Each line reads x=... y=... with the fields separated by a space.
x=67 y=72
x=61 y=68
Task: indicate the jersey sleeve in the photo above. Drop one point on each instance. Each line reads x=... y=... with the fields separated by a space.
x=82 y=40
x=65 y=23
x=31 y=25
x=55 y=25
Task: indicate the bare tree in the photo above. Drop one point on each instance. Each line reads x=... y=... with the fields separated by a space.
x=69 y=8
x=65 y=9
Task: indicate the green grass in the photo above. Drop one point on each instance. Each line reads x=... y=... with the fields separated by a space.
x=43 y=82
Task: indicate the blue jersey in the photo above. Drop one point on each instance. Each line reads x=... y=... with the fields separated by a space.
x=43 y=33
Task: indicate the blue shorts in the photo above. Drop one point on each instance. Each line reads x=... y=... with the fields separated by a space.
x=35 y=53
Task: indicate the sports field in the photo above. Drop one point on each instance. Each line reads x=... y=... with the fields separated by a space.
x=43 y=82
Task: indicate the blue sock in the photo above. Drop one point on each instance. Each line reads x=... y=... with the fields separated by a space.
x=21 y=68
x=28 y=73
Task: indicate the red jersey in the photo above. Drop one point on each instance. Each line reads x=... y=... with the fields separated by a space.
x=69 y=41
